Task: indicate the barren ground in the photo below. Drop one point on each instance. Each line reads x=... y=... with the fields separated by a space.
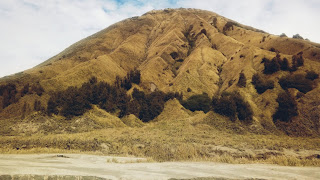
x=138 y=168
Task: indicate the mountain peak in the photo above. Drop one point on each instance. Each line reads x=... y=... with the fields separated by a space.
x=189 y=51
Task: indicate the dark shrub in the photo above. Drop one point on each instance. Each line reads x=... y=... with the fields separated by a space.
x=200 y=102
x=233 y=105
x=133 y=76
x=244 y=110
x=283 y=35
x=287 y=107
x=272 y=66
x=225 y=106
x=138 y=95
x=152 y=106
x=297 y=61
x=203 y=31
x=312 y=75
x=75 y=103
x=52 y=106
x=284 y=65
x=300 y=60
x=174 y=55
x=134 y=107
x=297 y=81
x=228 y=26
x=126 y=84
x=242 y=80
x=8 y=92
x=37 y=105
x=37 y=88
x=272 y=49
x=149 y=106
x=25 y=90
x=261 y=84
x=297 y=36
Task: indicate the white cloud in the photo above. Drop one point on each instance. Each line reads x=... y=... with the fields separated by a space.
x=35 y=30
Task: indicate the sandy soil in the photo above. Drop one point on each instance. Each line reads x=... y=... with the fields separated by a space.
x=137 y=168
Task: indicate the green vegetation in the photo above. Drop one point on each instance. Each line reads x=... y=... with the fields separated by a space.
x=149 y=106
x=8 y=92
x=229 y=26
x=287 y=107
x=297 y=81
x=199 y=102
x=112 y=98
x=234 y=106
x=242 y=80
x=11 y=94
x=272 y=66
x=297 y=61
x=261 y=84
x=277 y=63
x=312 y=75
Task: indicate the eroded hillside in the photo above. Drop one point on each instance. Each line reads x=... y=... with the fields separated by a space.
x=179 y=50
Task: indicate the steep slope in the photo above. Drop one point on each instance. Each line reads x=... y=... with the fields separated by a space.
x=177 y=50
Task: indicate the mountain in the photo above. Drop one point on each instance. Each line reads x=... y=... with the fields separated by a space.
x=187 y=51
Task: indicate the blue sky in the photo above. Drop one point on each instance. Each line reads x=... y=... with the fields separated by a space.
x=34 y=30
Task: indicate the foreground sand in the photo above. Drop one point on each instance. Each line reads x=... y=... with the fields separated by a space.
x=138 y=168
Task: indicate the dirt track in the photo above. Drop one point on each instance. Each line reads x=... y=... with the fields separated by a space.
x=132 y=168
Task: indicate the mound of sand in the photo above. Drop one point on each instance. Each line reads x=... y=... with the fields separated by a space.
x=173 y=110
x=103 y=118
x=132 y=121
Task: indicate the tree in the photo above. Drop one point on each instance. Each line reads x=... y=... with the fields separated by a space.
x=242 y=80
x=200 y=102
x=297 y=81
x=52 y=106
x=287 y=107
x=312 y=75
x=284 y=65
x=244 y=111
x=37 y=88
x=297 y=36
x=283 y=35
x=37 y=105
x=225 y=106
x=25 y=90
x=234 y=106
x=75 y=103
x=272 y=66
x=261 y=84
x=8 y=93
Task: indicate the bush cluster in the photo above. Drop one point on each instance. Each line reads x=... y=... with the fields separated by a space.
x=11 y=94
x=229 y=26
x=242 y=82
x=287 y=107
x=8 y=92
x=297 y=61
x=133 y=76
x=272 y=66
x=112 y=98
x=261 y=84
x=312 y=75
x=76 y=101
x=277 y=64
x=199 y=102
x=234 y=106
x=149 y=106
x=297 y=81
x=297 y=36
